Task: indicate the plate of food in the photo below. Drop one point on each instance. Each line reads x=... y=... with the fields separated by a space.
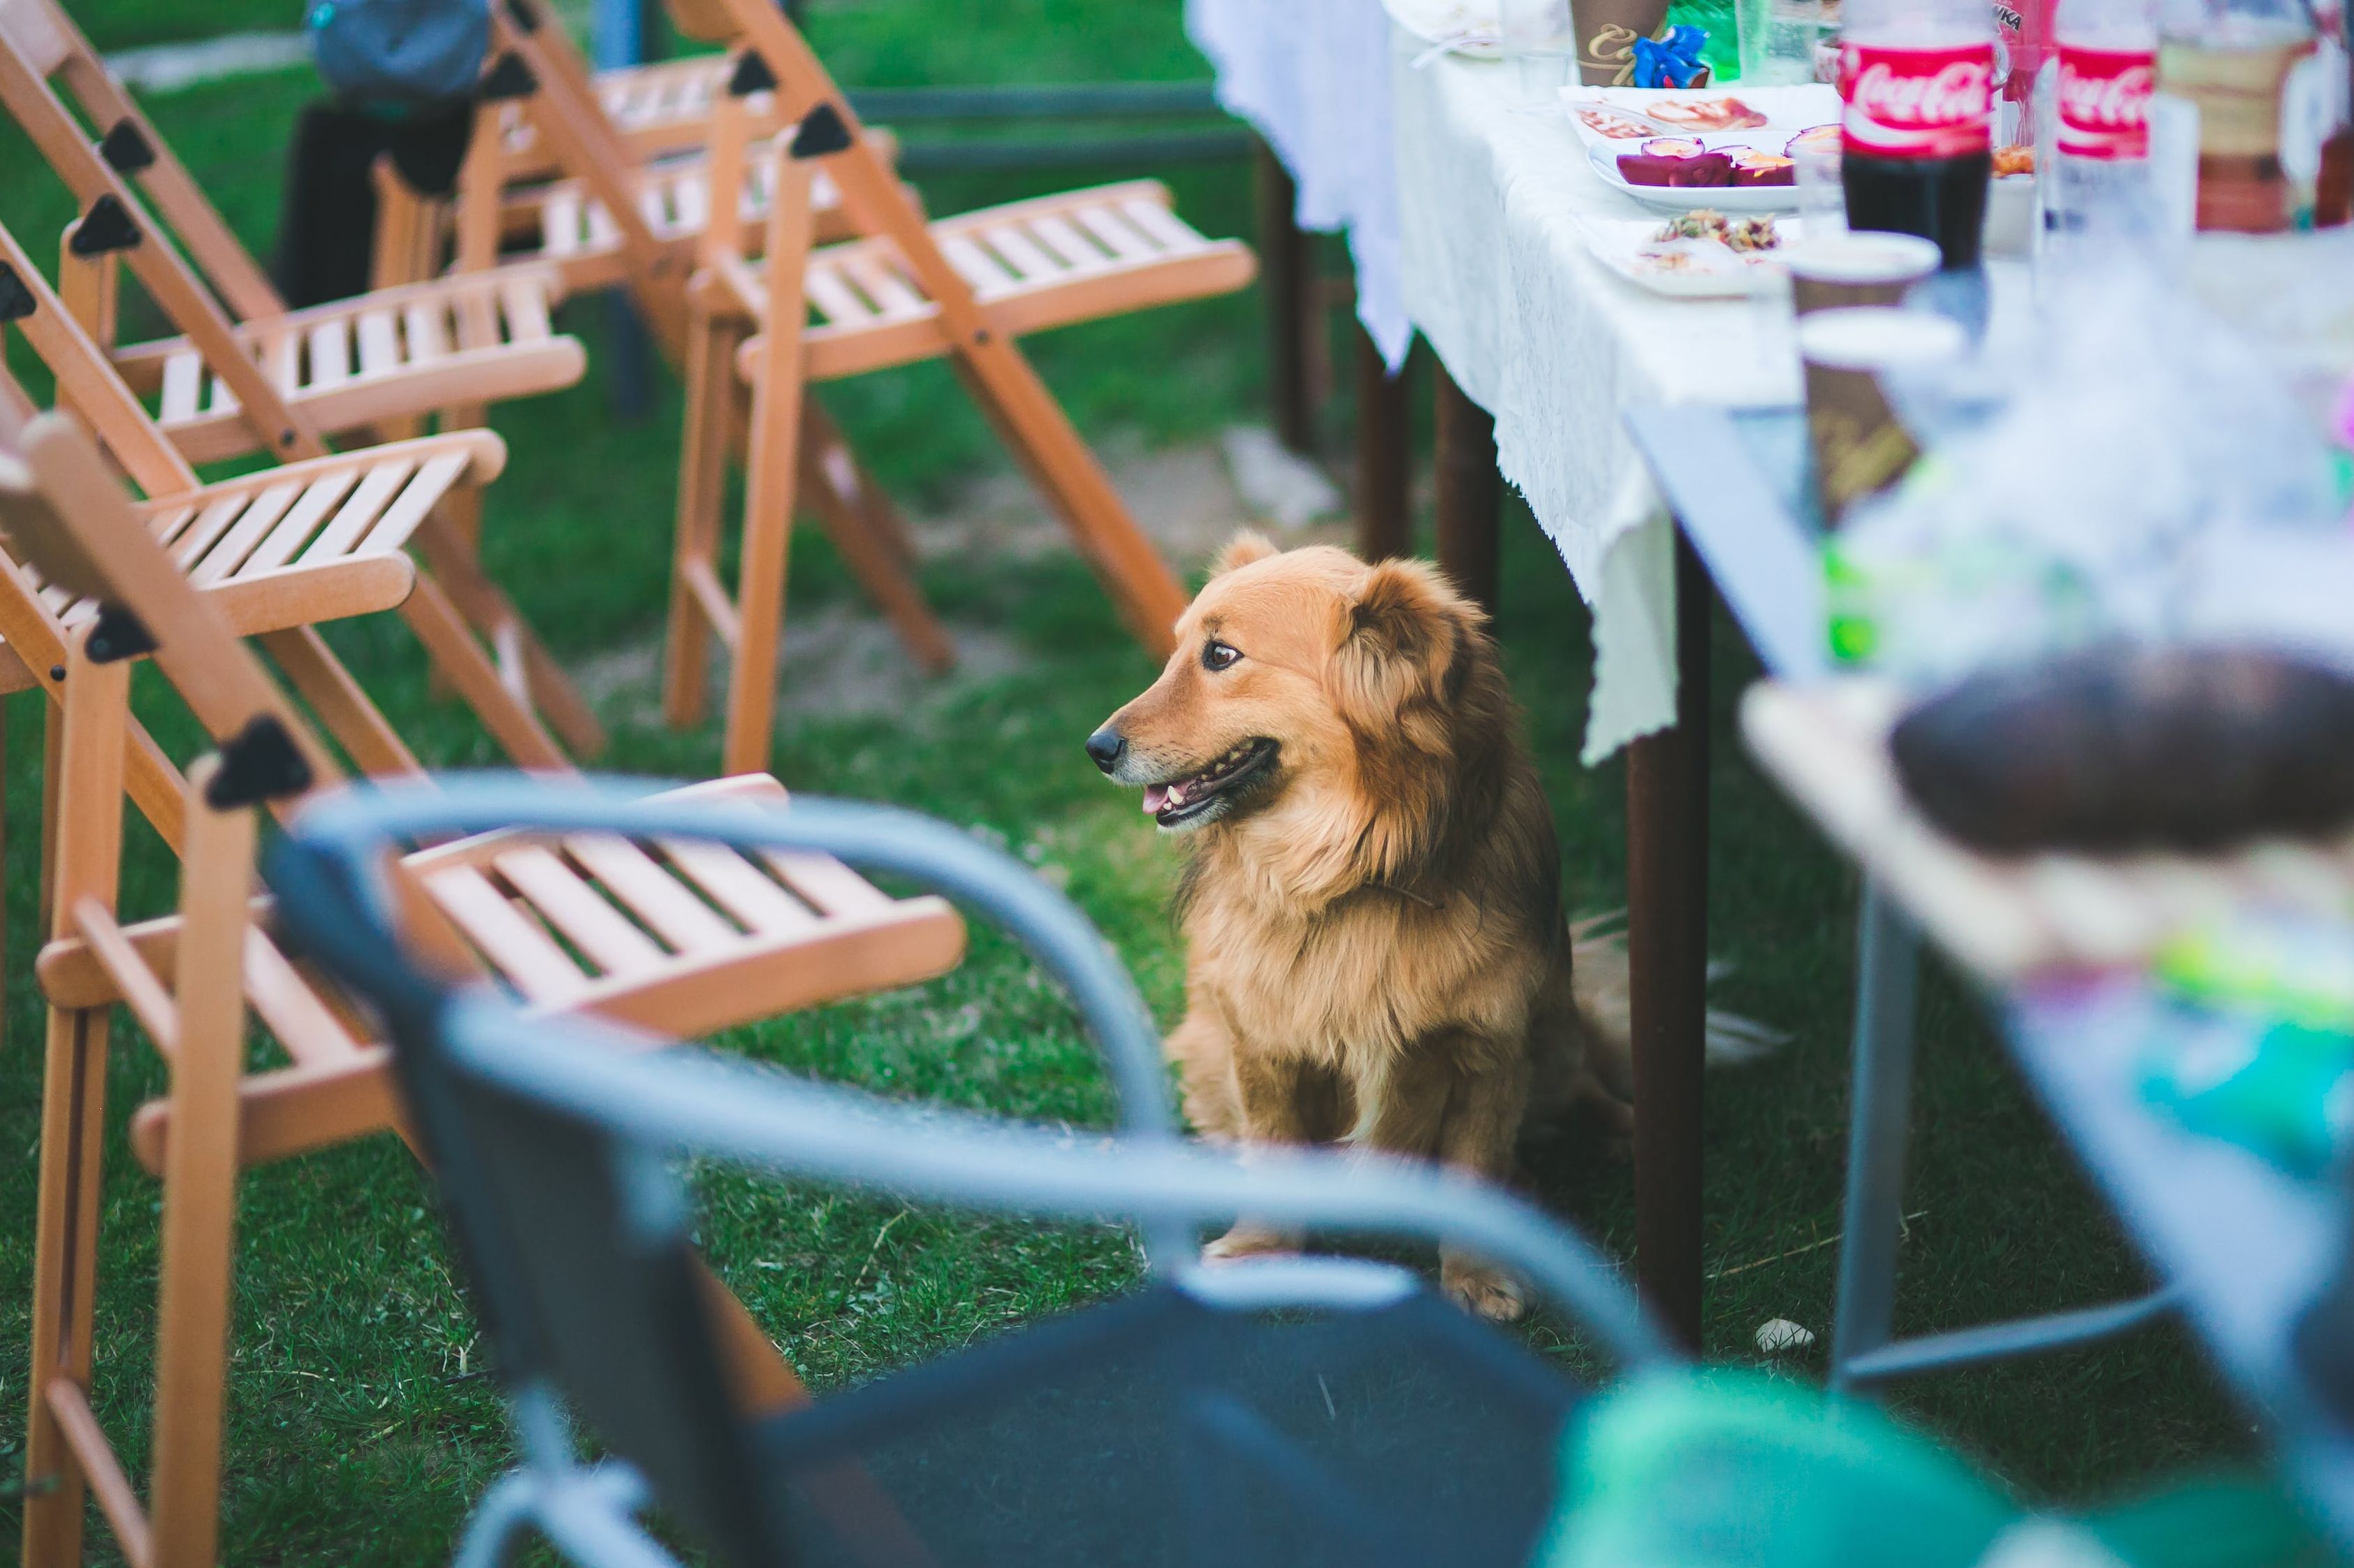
x=1742 y=147
x=1672 y=173
x=1704 y=253
x=1470 y=27
x=1618 y=115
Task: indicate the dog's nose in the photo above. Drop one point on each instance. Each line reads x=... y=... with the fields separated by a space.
x=1107 y=746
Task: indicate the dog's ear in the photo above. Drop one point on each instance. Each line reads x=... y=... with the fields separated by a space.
x=1245 y=547
x=1404 y=639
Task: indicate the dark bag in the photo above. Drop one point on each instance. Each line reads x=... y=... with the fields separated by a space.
x=400 y=52
x=326 y=229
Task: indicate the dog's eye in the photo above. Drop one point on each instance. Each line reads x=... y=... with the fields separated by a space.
x=1218 y=655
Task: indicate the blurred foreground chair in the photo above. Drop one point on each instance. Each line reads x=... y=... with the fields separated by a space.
x=307 y=513
x=1302 y=1412
x=964 y=289
x=679 y=935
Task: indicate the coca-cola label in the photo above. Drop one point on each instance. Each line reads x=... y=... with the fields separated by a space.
x=1903 y=102
x=2105 y=101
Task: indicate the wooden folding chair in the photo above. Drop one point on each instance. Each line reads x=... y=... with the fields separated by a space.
x=605 y=186
x=248 y=373
x=455 y=608
x=617 y=218
x=964 y=288
x=690 y=938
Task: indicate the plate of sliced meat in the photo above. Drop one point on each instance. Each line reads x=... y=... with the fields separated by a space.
x=1631 y=114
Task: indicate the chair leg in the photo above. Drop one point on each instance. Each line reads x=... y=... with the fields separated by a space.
x=1888 y=972
x=53 y=731
x=450 y=642
x=462 y=507
x=326 y=684
x=533 y=677
x=3 y=862
x=65 y=1274
x=1040 y=435
x=848 y=507
x=200 y=1164
x=86 y=785
x=712 y=391
x=770 y=486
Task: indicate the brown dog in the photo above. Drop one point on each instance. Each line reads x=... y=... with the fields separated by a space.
x=1376 y=951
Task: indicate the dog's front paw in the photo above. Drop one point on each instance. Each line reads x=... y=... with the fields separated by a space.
x=1482 y=1289
x=1250 y=1241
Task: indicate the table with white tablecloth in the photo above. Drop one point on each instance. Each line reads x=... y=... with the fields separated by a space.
x=1313 y=78
x=1492 y=187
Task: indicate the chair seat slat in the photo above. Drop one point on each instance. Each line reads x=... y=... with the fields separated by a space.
x=374 y=493
x=641 y=883
x=219 y=559
x=184 y=384
x=834 y=298
x=570 y=905
x=379 y=344
x=516 y=946
x=1116 y=236
x=278 y=544
x=1168 y=231
x=1056 y=234
x=331 y=353
x=739 y=886
x=401 y=519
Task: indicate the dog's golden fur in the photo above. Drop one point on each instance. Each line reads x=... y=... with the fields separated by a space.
x=1376 y=949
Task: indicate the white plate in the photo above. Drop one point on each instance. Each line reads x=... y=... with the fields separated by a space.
x=1744 y=200
x=1477 y=23
x=1716 y=273
x=1787 y=112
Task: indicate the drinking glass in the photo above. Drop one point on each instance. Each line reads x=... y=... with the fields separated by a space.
x=1540 y=38
x=1822 y=199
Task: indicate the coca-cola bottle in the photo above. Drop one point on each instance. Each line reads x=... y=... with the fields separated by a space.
x=2097 y=188
x=1917 y=77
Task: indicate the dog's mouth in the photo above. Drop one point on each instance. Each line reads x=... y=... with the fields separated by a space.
x=1201 y=797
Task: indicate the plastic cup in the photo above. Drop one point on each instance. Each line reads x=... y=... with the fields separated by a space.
x=1859 y=446
x=1859 y=267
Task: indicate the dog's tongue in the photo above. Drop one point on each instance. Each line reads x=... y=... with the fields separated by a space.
x=1155 y=796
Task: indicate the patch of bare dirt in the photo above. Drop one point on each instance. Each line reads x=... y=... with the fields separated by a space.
x=842 y=659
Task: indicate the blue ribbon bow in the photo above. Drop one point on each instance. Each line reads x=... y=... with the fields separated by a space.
x=1671 y=62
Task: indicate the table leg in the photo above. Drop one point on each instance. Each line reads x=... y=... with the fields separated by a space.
x=1667 y=939
x=1288 y=274
x=1863 y=1314
x=1383 y=527
x=1470 y=491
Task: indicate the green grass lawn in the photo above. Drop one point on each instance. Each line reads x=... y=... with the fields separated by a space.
x=362 y=1424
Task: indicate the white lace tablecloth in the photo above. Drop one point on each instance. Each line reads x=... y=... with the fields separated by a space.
x=1313 y=78
x=1537 y=332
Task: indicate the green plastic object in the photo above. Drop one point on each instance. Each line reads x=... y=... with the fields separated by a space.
x=1730 y=1469
x=2294 y=967
x=2282 y=1091
x=1733 y=1470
